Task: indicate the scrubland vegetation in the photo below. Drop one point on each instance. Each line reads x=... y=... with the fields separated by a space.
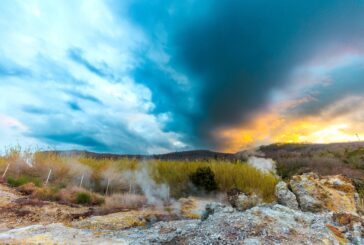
x=86 y=180
x=324 y=159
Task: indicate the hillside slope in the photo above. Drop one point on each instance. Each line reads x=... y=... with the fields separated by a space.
x=325 y=159
x=182 y=155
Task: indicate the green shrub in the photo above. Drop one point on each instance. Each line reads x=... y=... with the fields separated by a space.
x=83 y=198
x=22 y=180
x=204 y=179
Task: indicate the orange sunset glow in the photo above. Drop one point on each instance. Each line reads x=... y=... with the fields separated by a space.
x=271 y=128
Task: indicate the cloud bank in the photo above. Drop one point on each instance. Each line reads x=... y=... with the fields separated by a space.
x=157 y=76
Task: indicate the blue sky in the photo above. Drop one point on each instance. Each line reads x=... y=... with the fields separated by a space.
x=159 y=76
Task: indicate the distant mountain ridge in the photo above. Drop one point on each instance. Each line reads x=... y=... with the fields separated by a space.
x=269 y=151
x=181 y=155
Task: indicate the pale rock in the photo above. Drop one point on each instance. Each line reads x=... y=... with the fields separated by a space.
x=244 y=201
x=328 y=193
x=284 y=196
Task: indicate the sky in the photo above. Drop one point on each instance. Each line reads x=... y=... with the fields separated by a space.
x=147 y=77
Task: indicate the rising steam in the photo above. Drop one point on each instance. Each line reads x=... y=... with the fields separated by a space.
x=140 y=179
x=263 y=164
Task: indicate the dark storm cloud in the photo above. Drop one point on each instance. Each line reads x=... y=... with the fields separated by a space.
x=237 y=52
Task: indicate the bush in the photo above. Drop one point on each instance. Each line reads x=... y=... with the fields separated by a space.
x=204 y=179
x=22 y=180
x=83 y=198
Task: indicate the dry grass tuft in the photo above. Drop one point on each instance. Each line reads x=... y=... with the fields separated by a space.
x=47 y=194
x=28 y=188
x=125 y=201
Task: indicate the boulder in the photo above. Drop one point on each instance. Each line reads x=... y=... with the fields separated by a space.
x=284 y=196
x=247 y=201
x=328 y=193
x=232 y=196
x=242 y=201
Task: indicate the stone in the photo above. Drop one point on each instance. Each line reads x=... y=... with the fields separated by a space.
x=211 y=208
x=284 y=196
x=232 y=196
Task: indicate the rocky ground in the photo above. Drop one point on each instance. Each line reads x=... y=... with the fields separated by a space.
x=17 y=210
x=310 y=210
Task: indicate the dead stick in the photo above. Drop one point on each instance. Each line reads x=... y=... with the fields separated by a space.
x=6 y=170
x=81 y=181
x=49 y=175
x=107 y=187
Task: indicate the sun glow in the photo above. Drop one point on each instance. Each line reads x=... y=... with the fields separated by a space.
x=272 y=128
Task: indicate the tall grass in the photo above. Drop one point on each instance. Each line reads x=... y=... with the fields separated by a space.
x=67 y=171
x=228 y=175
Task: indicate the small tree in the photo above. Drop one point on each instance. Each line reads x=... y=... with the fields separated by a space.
x=204 y=179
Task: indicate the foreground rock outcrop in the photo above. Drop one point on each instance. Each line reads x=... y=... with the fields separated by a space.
x=17 y=210
x=273 y=224
x=285 y=196
x=328 y=193
x=311 y=210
